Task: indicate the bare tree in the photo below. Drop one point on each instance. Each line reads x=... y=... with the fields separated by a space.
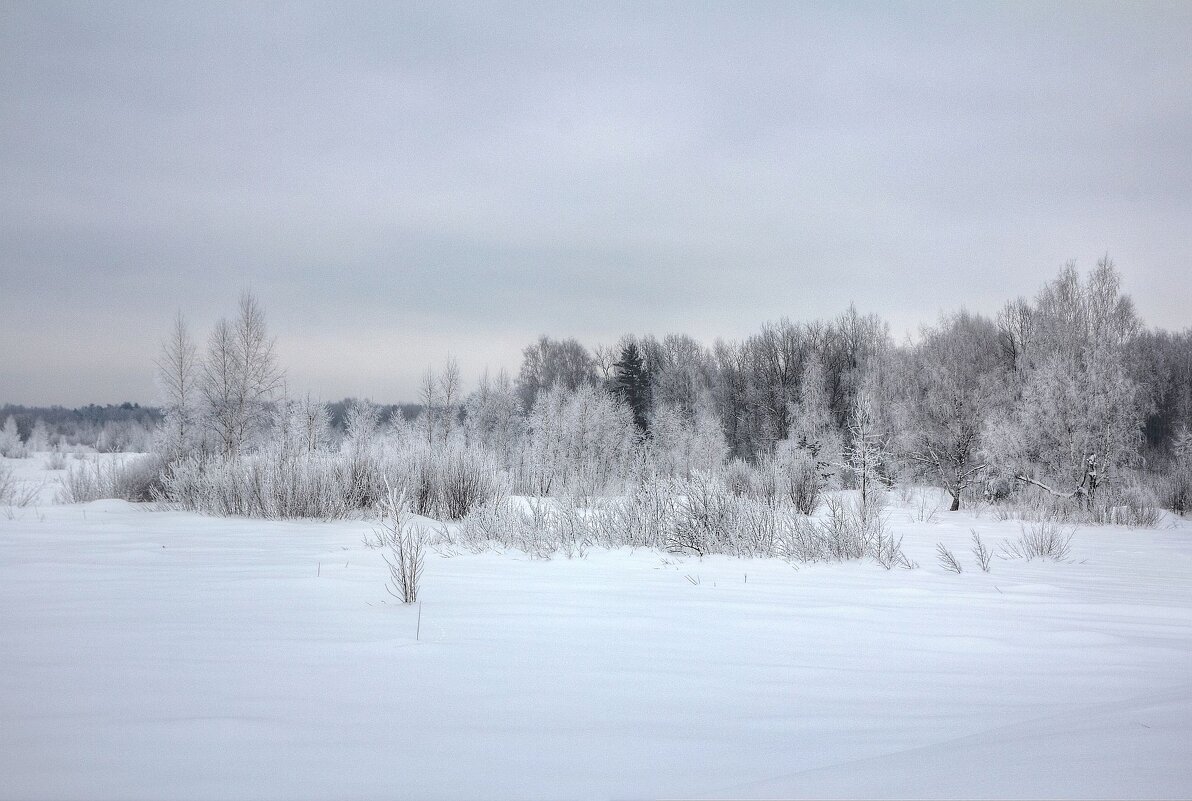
x=240 y=377
x=548 y=362
x=449 y=388
x=218 y=386
x=177 y=375
x=429 y=395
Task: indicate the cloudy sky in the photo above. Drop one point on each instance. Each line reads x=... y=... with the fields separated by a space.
x=402 y=181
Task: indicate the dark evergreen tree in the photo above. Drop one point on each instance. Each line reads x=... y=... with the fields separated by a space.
x=632 y=384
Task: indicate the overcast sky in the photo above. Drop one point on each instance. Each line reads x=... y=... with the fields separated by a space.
x=402 y=181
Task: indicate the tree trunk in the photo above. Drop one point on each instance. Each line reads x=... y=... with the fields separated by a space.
x=955 y=502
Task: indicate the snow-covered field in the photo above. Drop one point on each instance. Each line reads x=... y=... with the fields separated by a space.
x=154 y=654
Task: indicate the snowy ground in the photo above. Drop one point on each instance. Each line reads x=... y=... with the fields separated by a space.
x=149 y=654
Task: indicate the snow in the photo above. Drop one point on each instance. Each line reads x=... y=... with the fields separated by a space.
x=158 y=654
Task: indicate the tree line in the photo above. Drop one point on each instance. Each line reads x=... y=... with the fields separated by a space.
x=1065 y=395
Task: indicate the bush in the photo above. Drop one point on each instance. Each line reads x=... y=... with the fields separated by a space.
x=1173 y=490
x=269 y=485
x=848 y=531
x=56 y=460
x=1131 y=502
x=8 y=485
x=697 y=515
x=540 y=528
x=445 y=483
x=135 y=478
x=800 y=481
x=404 y=547
x=282 y=483
x=1043 y=540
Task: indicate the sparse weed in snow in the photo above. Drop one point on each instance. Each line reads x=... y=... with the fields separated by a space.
x=982 y=554
x=946 y=559
x=1045 y=540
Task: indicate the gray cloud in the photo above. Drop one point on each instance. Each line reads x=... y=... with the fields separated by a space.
x=400 y=181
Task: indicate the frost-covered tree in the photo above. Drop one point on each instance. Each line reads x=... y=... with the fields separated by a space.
x=1161 y=363
x=1016 y=331
x=239 y=378
x=39 y=437
x=682 y=446
x=578 y=442
x=812 y=427
x=449 y=392
x=178 y=371
x=865 y=452
x=493 y=417
x=10 y=440
x=955 y=379
x=682 y=375
x=807 y=461
x=1078 y=418
x=429 y=395
x=301 y=427
x=361 y=426
x=1073 y=429
x=549 y=362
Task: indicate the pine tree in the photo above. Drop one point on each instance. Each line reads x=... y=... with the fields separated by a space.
x=632 y=384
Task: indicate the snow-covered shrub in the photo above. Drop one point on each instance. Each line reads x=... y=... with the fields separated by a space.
x=8 y=485
x=1127 y=502
x=124 y=436
x=443 y=482
x=56 y=459
x=1173 y=487
x=762 y=482
x=1043 y=540
x=846 y=532
x=268 y=485
x=639 y=519
x=800 y=480
x=465 y=479
x=135 y=478
x=404 y=547
x=742 y=479
x=1175 y=490
x=702 y=515
x=697 y=515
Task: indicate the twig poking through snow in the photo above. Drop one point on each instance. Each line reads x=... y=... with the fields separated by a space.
x=946 y=559
x=982 y=553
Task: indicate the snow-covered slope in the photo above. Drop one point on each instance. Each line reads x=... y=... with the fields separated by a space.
x=149 y=654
